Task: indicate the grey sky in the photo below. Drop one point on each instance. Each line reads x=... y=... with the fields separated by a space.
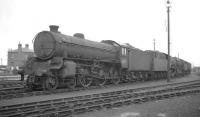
x=136 y=22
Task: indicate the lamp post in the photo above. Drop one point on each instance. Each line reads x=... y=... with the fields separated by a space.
x=168 y=44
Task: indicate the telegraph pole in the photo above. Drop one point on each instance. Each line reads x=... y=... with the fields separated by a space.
x=1 y=61
x=154 y=45
x=168 y=31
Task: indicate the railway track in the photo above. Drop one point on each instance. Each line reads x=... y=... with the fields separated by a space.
x=9 y=84
x=20 y=92
x=11 y=87
x=10 y=77
x=81 y=104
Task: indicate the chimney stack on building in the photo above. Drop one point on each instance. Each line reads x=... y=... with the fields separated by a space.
x=19 y=46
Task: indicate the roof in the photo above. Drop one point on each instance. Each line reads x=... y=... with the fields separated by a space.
x=22 y=50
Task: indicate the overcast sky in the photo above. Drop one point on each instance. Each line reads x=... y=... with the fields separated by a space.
x=136 y=22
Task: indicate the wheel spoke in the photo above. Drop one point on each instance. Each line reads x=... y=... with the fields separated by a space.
x=85 y=80
x=51 y=83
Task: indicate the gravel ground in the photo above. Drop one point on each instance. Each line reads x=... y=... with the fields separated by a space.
x=187 y=106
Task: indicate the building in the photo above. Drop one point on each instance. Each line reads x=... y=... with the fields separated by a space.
x=18 y=57
x=196 y=69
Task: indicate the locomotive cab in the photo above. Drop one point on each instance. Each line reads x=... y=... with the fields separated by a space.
x=124 y=57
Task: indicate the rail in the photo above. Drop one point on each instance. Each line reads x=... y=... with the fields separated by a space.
x=20 y=92
x=81 y=104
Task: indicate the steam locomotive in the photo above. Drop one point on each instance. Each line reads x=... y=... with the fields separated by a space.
x=71 y=61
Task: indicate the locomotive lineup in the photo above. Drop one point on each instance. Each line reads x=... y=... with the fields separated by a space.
x=72 y=61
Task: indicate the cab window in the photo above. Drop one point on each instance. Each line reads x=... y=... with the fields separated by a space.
x=124 y=51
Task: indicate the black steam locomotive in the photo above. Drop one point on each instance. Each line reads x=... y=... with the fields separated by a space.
x=75 y=61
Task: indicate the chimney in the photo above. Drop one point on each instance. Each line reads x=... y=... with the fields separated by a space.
x=19 y=46
x=54 y=28
x=79 y=35
x=27 y=46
